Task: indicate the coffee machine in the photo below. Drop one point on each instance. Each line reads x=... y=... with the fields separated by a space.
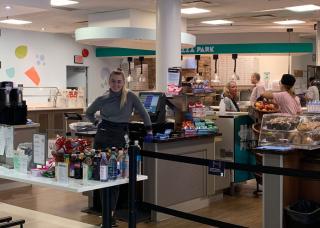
x=13 y=109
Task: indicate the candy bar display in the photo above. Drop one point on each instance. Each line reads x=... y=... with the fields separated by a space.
x=197 y=109
x=302 y=132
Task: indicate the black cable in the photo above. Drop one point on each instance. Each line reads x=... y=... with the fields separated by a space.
x=188 y=216
x=236 y=166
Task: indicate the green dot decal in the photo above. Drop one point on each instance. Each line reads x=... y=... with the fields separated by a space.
x=21 y=51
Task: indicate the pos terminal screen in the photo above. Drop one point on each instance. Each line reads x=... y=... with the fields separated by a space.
x=150 y=101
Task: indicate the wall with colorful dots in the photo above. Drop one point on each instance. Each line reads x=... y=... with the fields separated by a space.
x=40 y=59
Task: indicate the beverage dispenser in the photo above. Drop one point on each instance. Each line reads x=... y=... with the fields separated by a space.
x=13 y=109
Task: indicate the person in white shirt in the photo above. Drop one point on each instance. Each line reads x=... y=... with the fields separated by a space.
x=313 y=91
x=258 y=89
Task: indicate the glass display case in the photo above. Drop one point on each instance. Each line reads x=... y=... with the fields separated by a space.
x=301 y=132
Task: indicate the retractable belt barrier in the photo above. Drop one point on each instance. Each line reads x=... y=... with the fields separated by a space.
x=133 y=150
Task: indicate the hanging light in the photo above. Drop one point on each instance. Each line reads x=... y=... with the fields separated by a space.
x=142 y=78
x=129 y=78
x=235 y=76
x=289 y=31
x=197 y=78
x=216 y=78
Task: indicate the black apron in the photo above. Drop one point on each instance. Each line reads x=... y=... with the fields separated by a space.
x=110 y=134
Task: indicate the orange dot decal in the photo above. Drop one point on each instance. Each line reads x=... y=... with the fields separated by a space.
x=33 y=75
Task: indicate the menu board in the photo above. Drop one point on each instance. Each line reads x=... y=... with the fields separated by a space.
x=39 y=149
x=174 y=76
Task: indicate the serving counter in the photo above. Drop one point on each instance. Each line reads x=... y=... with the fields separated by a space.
x=51 y=118
x=281 y=191
x=177 y=185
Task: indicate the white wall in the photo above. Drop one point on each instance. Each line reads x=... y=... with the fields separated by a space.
x=58 y=51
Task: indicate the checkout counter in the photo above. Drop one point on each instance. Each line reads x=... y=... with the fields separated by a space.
x=177 y=185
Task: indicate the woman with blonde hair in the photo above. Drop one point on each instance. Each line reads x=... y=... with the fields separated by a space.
x=116 y=107
x=229 y=97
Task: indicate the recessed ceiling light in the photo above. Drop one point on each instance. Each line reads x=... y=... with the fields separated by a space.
x=289 y=22
x=15 y=22
x=194 y=10
x=303 y=8
x=217 y=22
x=62 y=2
x=7 y=7
x=42 y=29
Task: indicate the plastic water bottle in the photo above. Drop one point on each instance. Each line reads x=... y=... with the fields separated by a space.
x=104 y=168
x=136 y=143
x=113 y=165
x=125 y=165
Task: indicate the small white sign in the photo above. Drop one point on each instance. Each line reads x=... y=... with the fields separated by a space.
x=24 y=160
x=2 y=140
x=61 y=172
x=39 y=149
x=9 y=142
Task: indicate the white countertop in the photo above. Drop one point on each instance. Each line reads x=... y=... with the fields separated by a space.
x=32 y=125
x=74 y=185
x=34 y=108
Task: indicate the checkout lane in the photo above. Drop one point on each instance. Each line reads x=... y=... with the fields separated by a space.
x=196 y=188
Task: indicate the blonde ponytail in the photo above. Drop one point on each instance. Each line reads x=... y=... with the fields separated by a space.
x=124 y=95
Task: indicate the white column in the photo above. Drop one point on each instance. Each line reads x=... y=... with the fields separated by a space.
x=318 y=44
x=168 y=43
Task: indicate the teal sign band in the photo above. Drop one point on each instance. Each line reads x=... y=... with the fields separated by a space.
x=259 y=48
x=113 y=52
x=250 y=48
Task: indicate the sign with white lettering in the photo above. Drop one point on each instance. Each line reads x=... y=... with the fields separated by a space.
x=216 y=168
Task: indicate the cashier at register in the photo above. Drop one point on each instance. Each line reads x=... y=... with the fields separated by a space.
x=286 y=99
x=229 y=97
x=116 y=107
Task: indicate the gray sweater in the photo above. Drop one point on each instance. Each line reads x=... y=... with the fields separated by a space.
x=109 y=107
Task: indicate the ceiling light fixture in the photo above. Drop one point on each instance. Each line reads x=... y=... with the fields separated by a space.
x=303 y=8
x=7 y=7
x=62 y=2
x=42 y=29
x=194 y=10
x=289 y=22
x=217 y=22
x=15 y=22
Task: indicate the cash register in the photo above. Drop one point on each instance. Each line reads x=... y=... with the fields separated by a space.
x=155 y=104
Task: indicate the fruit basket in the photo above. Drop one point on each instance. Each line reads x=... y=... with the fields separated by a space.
x=266 y=107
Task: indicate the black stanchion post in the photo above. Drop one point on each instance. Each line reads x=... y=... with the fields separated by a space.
x=133 y=150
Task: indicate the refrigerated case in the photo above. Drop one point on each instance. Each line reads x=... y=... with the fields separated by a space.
x=284 y=130
x=237 y=140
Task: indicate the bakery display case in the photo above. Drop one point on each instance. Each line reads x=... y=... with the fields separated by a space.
x=301 y=132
